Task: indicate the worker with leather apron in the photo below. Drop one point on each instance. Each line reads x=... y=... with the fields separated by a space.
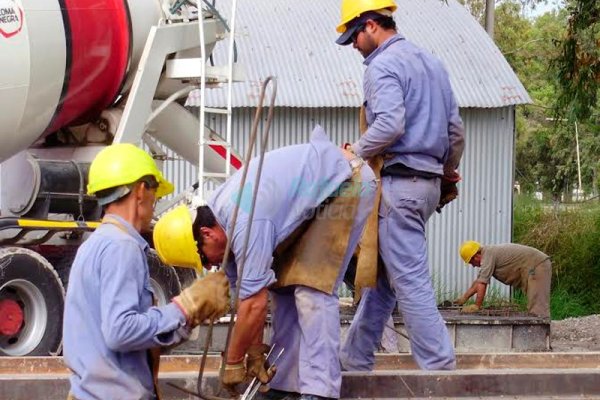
x=413 y=123
x=312 y=203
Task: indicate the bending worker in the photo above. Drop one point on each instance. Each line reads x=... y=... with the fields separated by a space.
x=521 y=267
x=313 y=200
x=112 y=332
x=414 y=124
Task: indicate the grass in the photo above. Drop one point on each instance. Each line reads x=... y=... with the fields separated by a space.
x=571 y=237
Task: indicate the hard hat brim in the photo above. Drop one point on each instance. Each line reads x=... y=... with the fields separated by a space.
x=346 y=38
x=164 y=188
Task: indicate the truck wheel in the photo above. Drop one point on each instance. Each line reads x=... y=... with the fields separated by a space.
x=163 y=279
x=32 y=300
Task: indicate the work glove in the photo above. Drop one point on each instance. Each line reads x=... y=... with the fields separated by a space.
x=233 y=375
x=206 y=298
x=471 y=308
x=257 y=364
x=448 y=190
x=459 y=301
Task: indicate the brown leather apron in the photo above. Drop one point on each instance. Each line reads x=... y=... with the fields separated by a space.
x=368 y=247
x=313 y=254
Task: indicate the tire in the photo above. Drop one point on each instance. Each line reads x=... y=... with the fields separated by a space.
x=163 y=279
x=63 y=265
x=30 y=281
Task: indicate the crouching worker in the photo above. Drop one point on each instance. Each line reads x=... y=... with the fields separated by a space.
x=312 y=203
x=521 y=267
x=112 y=332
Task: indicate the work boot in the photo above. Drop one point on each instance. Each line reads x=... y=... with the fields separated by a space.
x=314 y=397
x=274 y=394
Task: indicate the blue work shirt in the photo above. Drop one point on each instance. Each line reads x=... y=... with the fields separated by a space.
x=109 y=322
x=295 y=180
x=410 y=109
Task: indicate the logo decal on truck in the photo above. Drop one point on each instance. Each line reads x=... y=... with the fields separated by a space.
x=11 y=18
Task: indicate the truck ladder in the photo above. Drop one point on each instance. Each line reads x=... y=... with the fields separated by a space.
x=203 y=175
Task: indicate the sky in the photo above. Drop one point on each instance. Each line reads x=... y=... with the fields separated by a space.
x=542 y=8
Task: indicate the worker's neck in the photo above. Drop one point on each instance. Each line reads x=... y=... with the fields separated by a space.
x=383 y=35
x=128 y=210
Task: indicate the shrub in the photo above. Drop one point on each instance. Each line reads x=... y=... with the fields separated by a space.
x=571 y=237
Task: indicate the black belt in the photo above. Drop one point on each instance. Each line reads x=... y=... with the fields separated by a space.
x=400 y=169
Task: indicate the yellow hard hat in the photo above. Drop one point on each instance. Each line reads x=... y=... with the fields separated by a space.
x=122 y=164
x=354 y=8
x=174 y=239
x=468 y=249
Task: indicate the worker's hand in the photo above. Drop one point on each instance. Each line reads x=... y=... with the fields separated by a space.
x=207 y=298
x=471 y=308
x=459 y=301
x=233 y=375
x=257 y=364
x=448 y=190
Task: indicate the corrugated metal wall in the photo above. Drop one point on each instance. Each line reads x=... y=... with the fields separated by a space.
x=482 y=212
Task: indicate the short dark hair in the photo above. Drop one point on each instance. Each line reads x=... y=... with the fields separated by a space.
x=204 y=218
x=385 y=22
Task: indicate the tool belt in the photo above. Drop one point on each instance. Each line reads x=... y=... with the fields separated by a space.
x=400 y=169
x=313 y=255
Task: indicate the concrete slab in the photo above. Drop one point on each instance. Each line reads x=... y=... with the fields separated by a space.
x=543 y=383
x=400 y=362
x=501 y=330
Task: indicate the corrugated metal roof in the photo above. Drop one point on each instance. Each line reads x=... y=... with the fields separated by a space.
x=294 y=41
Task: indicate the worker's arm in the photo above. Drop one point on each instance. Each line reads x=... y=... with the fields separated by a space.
x=249 y=326
x=478 y=288
x=257 y=277
x=128 y=323
x=456 y=134
x=247 y=338
x=386 y=102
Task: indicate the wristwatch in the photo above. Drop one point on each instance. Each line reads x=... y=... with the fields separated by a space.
x=356 y=162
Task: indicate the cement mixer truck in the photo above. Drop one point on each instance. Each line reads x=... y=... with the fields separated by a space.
x=77 y=75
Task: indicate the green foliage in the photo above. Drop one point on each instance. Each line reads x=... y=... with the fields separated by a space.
x=570 y=237
x=564 y=304
x=578 y=63
x=527 y=214
x=546 y=157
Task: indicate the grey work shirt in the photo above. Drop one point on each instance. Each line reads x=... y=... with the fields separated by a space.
x=410 y=109
x=109 y=321
x=509 y=263
x=295 y=180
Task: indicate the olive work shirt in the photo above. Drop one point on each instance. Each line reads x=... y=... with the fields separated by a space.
x=509 y=263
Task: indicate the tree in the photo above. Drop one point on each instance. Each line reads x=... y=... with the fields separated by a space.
x=578 y=63
x=546 y=150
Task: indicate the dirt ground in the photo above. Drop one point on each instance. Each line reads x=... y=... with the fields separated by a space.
x=576 y=334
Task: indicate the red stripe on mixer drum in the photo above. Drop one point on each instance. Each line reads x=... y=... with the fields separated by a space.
x=98 y=40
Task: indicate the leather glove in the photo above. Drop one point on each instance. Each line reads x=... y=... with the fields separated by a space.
x=207 y=298
x=448 y=190
x=233 y=375
x=459 y=301
x=471 y=308
x=257 y=364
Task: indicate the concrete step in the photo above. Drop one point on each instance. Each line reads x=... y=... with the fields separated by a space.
x=542 y=383
x=471 y=361
x=487 y=376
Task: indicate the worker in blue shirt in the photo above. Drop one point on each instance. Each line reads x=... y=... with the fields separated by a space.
x=110 y=324
x=413 y=123
x=312 y=203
